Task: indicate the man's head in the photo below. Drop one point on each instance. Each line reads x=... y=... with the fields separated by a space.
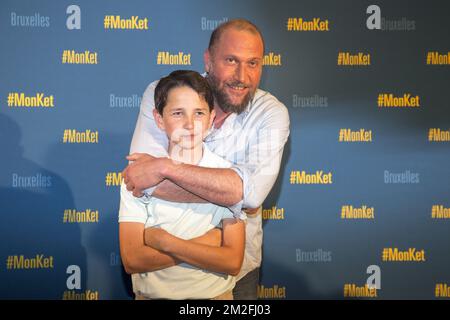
x=233 y=61
x=184 y=108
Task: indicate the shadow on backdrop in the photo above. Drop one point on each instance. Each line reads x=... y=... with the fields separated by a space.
x=32 y=224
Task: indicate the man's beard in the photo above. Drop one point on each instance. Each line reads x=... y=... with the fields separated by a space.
x=222 y=99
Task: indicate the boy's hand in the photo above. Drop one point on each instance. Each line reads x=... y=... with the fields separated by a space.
x=156 y=238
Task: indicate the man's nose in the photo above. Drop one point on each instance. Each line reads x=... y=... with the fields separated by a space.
x=241 y=73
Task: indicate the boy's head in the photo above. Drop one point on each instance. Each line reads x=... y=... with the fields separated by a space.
x=184 y=108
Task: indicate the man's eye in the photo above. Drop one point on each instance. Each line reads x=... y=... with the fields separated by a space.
x=200 y=113
x=231 y=60
x=177 y=113
x=253 y=64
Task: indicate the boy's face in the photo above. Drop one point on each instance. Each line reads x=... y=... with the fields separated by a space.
x=186 y=118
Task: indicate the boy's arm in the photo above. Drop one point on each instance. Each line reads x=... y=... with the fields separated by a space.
x=225 y=259
x=137 y=257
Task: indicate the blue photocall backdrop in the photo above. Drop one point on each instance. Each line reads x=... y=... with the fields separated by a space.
x=363 y=193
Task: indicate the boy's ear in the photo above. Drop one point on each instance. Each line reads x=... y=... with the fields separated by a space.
x=158 y=119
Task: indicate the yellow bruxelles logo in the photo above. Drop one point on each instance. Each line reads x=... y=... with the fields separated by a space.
x=75 y=136
x=272 y=59
x=442 y=290
x=438 y=135
x=273 y=213
x=275 y=292
x=117 y=22
x=436 y=58
x=73 y=57
x=21 y=262
x=405 y=101
x=74 y=216
x=167 y=58
x=364 y=212
x=113 y=179
x=353 y=291
x=299 y=24
x=410 y=255
x=358 y=59
x=440 y=212
x=348 y=135
x=301 y=177
x=85 y=295
x=16 y=99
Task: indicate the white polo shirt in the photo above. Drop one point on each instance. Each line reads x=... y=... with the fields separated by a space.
x=186 y=221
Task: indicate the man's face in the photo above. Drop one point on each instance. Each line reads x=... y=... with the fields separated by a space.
x=234 y=67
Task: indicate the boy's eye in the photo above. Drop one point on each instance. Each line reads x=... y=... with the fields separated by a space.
x=176 y=113
x=200 y=113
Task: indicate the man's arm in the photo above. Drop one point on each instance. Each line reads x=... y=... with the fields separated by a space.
x=169 y=191
x=221 y=186
x=216 y=185
x=257 y=174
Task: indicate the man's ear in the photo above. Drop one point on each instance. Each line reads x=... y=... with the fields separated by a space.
x=158 y=119
x=207 y=60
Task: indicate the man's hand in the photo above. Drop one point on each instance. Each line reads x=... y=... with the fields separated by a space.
x=144 y=172
x=156 y=238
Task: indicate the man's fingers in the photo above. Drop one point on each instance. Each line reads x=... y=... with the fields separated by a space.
x=135 y=156
x=139 y=156
x=124 y=176
x=137 y=193
x=130 y=186
x=131 y=157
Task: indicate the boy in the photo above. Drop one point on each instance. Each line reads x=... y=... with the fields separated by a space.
x=184 y=109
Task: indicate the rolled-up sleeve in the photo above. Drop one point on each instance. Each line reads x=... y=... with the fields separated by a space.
x=260 y=169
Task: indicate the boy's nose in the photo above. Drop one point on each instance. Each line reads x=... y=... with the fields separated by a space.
x=189 y=123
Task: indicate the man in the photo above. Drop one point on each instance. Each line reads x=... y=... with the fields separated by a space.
x=250 y=130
